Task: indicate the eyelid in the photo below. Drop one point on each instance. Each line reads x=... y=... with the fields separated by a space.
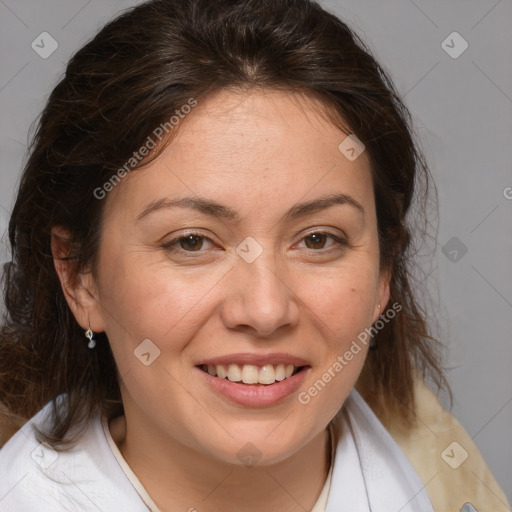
x=341 y=240
x=325 y=230
x=190 y=232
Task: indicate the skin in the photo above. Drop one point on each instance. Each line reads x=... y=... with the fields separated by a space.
x=258 y=153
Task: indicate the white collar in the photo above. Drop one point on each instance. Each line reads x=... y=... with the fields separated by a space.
x=370 y=473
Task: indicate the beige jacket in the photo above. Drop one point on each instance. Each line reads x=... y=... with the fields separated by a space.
x=444 y=456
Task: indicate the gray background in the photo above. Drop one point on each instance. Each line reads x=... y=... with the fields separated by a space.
x=462 y=109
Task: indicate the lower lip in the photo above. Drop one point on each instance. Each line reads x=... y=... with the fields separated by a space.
x=256 y=395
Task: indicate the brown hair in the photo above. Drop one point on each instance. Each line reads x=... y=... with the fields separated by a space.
x=131 y=77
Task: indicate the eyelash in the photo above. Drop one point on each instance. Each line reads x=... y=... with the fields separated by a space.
x=169 y=245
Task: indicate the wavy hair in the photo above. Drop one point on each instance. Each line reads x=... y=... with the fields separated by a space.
x=131 y=77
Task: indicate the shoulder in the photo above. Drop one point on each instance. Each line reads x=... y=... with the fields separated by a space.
x=445 y=457
x=19 y=459
x=34 y=476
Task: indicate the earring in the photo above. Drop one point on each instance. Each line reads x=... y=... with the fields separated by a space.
x=90 y=336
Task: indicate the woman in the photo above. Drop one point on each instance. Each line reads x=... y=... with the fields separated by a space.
x=208 y=238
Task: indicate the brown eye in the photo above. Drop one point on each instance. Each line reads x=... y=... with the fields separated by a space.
x=191 y=242
x=317 y=240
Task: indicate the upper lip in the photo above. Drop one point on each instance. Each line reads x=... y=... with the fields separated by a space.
x=255 y=359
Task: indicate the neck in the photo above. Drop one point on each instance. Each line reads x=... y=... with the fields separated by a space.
x=179 y=478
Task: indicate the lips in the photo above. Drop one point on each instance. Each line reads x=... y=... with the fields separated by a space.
x=254 y=379
x=255 y=359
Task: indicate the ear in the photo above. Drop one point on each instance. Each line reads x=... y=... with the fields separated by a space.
x=80 y=289
x=382 y=295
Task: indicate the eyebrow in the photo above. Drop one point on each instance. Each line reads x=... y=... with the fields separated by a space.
x=214 y=209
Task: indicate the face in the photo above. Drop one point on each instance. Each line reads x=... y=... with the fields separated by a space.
x=272 y=261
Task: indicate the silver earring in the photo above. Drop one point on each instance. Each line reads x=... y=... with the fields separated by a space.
x=90 y=336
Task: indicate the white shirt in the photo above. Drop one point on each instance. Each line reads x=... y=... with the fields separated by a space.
x=369 y=472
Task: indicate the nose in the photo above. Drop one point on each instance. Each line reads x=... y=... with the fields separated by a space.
x=261 y=298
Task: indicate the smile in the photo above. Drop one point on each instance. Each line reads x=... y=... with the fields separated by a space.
x=251 y=374
x=254 y=380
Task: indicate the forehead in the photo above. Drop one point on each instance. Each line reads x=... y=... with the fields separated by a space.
x=250 y=147
x=260 y=126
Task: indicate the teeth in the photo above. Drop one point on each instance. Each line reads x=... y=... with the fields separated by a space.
x=251 y=374
x=280 y=372
x=267 y=375
x=221 y=371
x=234 y=373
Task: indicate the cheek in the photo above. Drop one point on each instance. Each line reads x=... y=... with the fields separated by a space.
x=343 y=303
x=340 y=310
x=143 y=297
x=145 y=301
